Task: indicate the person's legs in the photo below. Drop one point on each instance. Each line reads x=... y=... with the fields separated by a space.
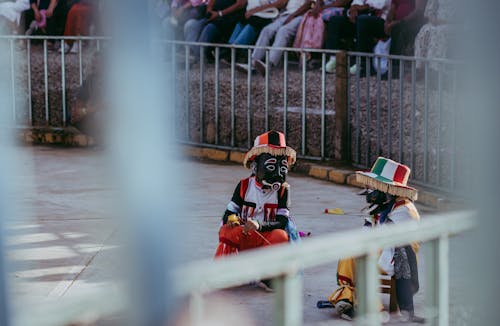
x=247 y=36
x=192 y=29
x=367 y=29
x=337 y=28
x=283 y=38
x=236 y=31
x=266 y=36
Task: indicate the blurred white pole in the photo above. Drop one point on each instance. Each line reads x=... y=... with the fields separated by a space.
x=143 y=157
x=5 y=157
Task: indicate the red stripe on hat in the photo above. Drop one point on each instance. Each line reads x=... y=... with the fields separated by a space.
x=401 y=174
x=282 y=139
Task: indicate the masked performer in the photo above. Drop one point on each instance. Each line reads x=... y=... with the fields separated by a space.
x=389 y=200
x=257 y=214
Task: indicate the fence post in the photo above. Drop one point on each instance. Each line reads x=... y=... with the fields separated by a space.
x=340 y=140
x=288 y=300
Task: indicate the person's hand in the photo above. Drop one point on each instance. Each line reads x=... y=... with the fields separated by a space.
x=250 y=225
x=38 y=17
x=288 y=19
x=388 y=27
x=212 y=15
x=316 y=9
x=353 y=14
x=232 y=221
x=249 y=13
x=49 y=12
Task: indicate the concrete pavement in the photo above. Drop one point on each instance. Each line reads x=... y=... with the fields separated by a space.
x=66 y=243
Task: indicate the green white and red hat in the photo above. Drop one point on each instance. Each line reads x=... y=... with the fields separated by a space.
x=388 y=176
x=272 y=142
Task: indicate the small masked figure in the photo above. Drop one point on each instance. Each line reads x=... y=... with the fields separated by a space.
x=258 y=214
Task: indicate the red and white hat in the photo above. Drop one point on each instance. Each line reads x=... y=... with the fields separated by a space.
x=388 y=176
x=272 y=142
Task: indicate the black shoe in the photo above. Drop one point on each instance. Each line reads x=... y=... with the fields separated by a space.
x=266 y=285
x=344 y=310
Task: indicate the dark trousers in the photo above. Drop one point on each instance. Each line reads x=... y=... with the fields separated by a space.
x=403 y=36
x=55 y=24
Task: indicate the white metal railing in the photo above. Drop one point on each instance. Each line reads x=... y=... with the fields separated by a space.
x=284 y=263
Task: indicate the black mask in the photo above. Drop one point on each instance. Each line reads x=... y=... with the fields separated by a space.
x=379 y=198
x=271 y=170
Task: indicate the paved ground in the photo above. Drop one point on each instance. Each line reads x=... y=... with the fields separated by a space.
x=66 y=244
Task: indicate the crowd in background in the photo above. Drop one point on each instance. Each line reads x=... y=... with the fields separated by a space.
x=50 y=17
x=398 y=27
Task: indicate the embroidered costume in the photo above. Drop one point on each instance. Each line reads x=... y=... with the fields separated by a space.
x=390 y=201
x=258 y=214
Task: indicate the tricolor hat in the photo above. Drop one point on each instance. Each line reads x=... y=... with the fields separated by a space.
x=388 y=176
x=272 y=142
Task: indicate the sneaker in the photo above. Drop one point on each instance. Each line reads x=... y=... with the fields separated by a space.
x=330 y=65
x=353 y=70
x=75 y=48
x=344 y=310
x=260 y=66
x=67 y=47
x=243 y=67
x=265 y=285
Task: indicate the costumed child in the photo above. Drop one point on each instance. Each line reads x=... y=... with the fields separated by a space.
x=258 y=214
x=389 y=200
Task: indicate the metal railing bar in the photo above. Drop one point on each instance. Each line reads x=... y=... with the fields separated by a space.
x=46 y=81
x=187 y=96
x=249 y=100
x=285 y=92
x=323 y=105
x=389 y=109
x=202 y=90
x=216 y=85
x=304 y=97
x=13 y=80
x=266 y=85
x=80 y=61
x=63 y=83
x=30 y=102
x=233 y=95
x=278 y=259
x=401 y=109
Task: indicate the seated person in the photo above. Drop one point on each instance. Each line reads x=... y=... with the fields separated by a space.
x=258 y=14
x=10 y=14
x=279 y=34
x=221 y=18
x=78 y=22
x=364 y=22
x=390 y=201
x=258 y=214
x=46 y=15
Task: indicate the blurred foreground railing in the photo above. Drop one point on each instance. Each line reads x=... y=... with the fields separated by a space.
x=284 y=264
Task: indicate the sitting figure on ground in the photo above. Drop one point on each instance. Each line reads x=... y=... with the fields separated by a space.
x=258 y=214
x=389 y=200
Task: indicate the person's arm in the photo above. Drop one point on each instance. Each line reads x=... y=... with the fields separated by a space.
x=338 y=4
x=278 y=5
x=305 y=7
x=36 y=12
x=417 y=12
x=50 y=9
x=234 y=206
x=238 y=5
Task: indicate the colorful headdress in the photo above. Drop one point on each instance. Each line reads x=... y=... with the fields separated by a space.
x=271 y=142
x=388 y=176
